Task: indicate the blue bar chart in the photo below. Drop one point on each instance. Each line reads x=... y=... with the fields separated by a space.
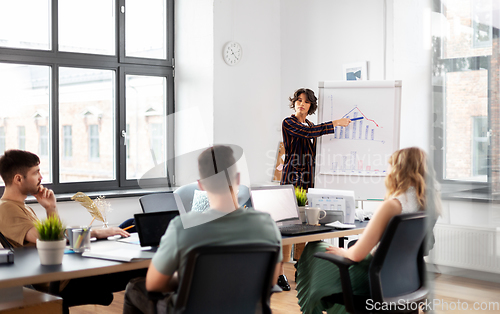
x=361 y=129
x=364 y=146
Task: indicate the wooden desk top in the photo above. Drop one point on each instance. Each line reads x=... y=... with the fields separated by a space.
x=360 y=227
x=27 y=270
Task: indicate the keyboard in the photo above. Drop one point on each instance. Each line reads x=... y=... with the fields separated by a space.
x=290 y=230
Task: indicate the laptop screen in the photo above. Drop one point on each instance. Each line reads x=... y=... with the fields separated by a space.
x=279 y=201
x=152 y=226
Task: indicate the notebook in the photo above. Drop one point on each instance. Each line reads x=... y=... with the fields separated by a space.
x=280 y=202
x=151 y=226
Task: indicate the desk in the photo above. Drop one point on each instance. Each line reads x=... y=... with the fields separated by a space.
x=337 y=233
x=27 y=270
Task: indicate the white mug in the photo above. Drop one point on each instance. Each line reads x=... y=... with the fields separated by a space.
x=313 y=215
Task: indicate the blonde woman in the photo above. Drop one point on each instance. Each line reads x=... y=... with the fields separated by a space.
x=406 y=193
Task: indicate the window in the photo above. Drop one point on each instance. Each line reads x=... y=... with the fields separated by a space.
x=94 y=142
x=146 y=122
x=21 y=137
x=67 y=142
x=480 y=147
x=90 y=91
x=156 y=142
x=465 y=89
x=2 y=140
x=43 y=141
x=481 y=23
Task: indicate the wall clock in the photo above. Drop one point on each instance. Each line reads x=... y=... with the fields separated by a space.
x=232 y=53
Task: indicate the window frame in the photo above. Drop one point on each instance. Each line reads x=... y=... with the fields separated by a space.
x=170 y=179
x=118 y=63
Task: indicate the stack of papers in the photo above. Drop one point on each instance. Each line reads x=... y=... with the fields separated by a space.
x=338 y=225
x=122 y=255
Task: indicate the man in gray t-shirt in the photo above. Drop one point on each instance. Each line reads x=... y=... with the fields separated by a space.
x=224 y=224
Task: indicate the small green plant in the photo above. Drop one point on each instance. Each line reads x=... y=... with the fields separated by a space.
x=301 y=195
x=50 y=229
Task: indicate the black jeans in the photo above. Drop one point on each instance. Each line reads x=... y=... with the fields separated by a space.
x=96 y=289
x=137 y=302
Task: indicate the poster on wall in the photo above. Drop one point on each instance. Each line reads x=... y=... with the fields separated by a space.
x=355 y=71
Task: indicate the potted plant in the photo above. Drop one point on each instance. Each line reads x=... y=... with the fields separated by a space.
x=51 y=242
x=301 y=195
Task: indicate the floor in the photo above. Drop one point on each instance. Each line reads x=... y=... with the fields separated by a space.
x=452 y=295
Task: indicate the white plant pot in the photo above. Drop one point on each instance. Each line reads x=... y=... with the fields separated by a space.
x=51 y=252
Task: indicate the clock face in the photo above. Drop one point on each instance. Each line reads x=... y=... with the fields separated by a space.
x=232 y=53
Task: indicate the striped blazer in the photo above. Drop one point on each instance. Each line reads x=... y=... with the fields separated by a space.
x=300 y=150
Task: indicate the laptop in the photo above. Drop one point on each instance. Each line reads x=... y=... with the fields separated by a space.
x=152 y=226
x=281 y=203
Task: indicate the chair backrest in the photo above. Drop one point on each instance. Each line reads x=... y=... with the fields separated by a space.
x=186 y=192
x=211 y=282
x=4 y=243
x=397 y=270
x=158 y=202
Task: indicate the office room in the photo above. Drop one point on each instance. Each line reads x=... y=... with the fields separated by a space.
x=288 y=44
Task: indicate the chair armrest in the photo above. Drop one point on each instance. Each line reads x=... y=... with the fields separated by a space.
x=337 y=260
x=343 y=264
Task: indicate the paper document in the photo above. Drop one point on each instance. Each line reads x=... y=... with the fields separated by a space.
x=133 y=239
x=122 y=255
x=337 y=224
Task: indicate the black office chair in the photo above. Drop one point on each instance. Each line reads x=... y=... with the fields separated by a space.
x=186 y=193
x=397 y=270
x=158 y=202
x=5 y=244
x=211 y=282
x=151 y=203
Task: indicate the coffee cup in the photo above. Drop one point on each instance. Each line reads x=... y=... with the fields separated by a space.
x=313 y=215
x=81 y=239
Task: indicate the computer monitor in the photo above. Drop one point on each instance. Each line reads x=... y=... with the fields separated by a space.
x=279 y=201
x=333 y=200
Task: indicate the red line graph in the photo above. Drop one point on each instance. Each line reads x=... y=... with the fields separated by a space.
x=376 y=124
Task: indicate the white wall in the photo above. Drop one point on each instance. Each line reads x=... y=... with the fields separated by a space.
x=412 y=64
x=319 y=36
x=194 y=80
x=72 y=213
x=246 y=95
x=235 y=102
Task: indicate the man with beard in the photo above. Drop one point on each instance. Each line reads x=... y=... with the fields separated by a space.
x=20 y=172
